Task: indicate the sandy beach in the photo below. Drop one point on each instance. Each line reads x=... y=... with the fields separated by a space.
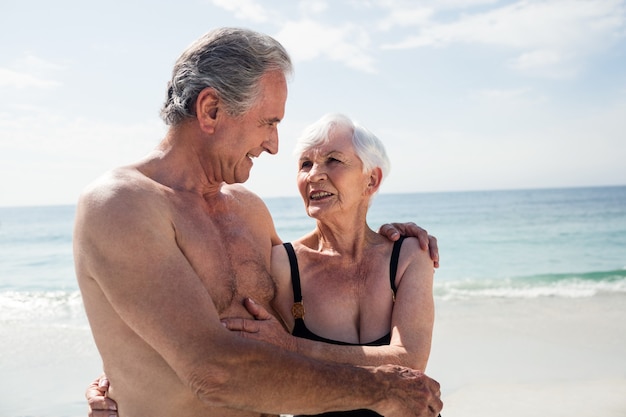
x=493 y=357
x=531 y=357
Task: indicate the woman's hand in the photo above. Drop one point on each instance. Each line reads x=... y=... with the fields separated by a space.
x=99 y=404
x=393 y=231
x=265 y=327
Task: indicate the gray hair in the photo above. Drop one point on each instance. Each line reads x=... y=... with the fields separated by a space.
x=230 y=60
x=367 y=146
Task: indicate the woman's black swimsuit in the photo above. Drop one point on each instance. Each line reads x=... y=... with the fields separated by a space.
x=300 y=329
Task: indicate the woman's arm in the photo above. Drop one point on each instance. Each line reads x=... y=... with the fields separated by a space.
x=99 y=405
x=411 y=322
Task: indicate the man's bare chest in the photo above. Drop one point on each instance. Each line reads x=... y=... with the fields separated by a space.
x=231 y=259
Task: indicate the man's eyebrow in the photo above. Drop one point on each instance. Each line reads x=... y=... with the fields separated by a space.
x=271 y=120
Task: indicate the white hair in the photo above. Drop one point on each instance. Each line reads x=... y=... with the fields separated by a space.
x=367 y=146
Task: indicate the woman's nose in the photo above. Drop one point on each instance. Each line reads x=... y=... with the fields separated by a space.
x=317 y=173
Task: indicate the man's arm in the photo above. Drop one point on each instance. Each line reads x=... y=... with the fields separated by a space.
x=127 y=248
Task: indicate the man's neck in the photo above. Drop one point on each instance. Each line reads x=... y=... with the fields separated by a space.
x=177 y=163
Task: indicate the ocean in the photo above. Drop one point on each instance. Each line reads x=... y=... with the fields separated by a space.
x=558 y=243
x=524 y=243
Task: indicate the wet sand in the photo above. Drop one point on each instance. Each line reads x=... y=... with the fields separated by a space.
x=531 y=357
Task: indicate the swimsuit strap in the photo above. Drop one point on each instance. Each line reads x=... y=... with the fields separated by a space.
x=298 y=307
x=393 y=265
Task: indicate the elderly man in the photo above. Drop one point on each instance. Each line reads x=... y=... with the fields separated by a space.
x=167 y=246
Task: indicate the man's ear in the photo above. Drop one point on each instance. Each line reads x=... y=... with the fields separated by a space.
x=207 y=106
x=375 y=179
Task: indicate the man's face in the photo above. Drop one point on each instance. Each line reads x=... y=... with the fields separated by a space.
x=256 y=131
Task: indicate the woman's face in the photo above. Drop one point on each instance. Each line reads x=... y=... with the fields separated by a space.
x=330 y=177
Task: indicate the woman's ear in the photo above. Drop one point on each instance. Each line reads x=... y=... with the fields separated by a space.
x=207 y=106
x=375 y=179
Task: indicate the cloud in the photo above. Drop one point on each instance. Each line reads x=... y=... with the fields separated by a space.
x=42 y=130
x=504 y=94
x=306 y=38
x=347 y=43
x=51 y=157
x=32 y=63
x=29 y=71
x=10 y=78
x=403 y=17
x=551 y=37
x=546 y=63
x=244 y=9
x=313 y=6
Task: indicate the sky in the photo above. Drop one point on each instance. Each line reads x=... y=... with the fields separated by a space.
x=465 y=94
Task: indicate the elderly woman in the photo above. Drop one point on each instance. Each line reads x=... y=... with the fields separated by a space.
x=368 y=300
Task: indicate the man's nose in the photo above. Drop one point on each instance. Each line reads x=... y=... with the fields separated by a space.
x=271 y=144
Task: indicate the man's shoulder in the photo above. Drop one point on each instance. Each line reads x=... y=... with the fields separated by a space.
x=125 y=181
x=252 y=210
x=242 y=194
x=121 y=190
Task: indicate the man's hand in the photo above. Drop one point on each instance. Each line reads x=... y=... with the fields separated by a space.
x=413 y=394
x=265 y=327
x=99 y=404
x=393 y=231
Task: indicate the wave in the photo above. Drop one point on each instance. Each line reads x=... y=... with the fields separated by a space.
x=55 y=308
x=65 y=308
x=566 y=285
